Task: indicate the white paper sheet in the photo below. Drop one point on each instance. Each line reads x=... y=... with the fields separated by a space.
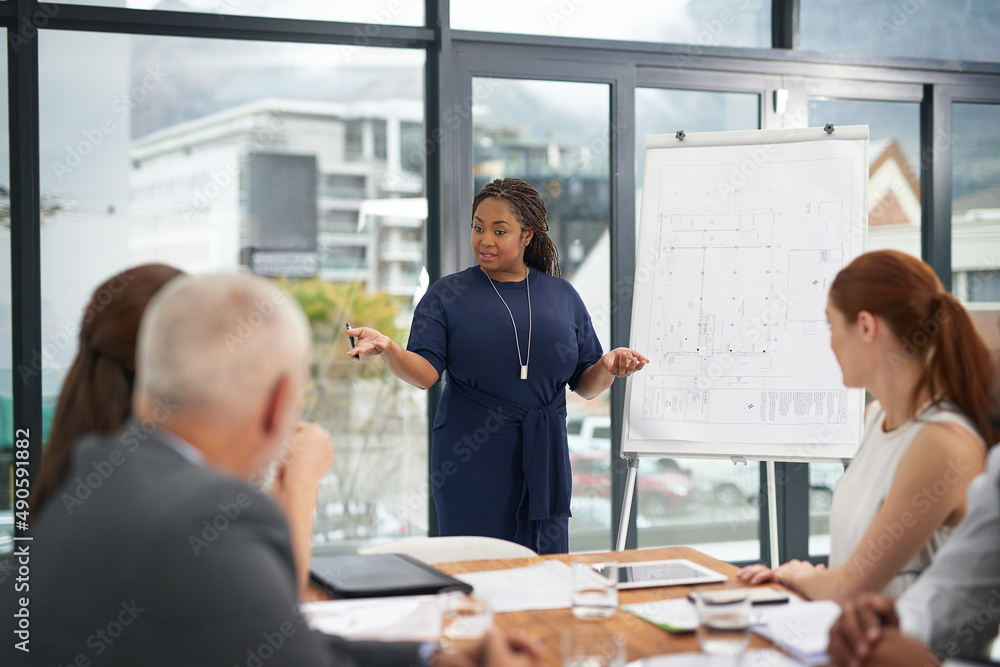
x=675 y=615
x=542 y=586
x=738 y=245
x=412 y=617
x=801 y=629
x=755 y=658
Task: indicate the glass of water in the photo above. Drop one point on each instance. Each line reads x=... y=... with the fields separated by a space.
x=595 y=592
x=464 y=621
x=723 y=620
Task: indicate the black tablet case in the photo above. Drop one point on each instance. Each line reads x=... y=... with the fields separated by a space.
x=379 y=575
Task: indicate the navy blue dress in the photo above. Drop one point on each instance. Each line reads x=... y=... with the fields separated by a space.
x=499 y=458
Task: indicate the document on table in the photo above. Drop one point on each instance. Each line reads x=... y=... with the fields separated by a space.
x=542 y=586
x=753 y=658
x=404 y=618
x=675 y=615
x=802 y=629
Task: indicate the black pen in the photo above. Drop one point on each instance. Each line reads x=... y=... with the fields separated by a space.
x=353 y=344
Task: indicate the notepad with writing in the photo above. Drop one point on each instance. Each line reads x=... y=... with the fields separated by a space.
x=379 y=575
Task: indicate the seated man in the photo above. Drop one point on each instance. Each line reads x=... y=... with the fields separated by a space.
x=953 y=609
x=157 y=551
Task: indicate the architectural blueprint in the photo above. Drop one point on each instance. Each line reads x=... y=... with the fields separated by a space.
x=738 y=245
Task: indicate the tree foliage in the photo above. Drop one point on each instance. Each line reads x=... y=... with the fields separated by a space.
x=329 y=306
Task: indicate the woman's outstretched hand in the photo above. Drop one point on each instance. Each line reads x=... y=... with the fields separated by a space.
x=369 y=342
x=622 y=362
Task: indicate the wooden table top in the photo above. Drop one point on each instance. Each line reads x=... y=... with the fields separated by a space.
x=643 y=639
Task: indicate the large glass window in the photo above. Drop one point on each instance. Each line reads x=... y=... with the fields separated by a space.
x=975 y=215
x=555 y=136
x=712 y=505
x=198 y=153
x=894 y=216
x=373 y=12
x=893 y=166
x=963 y=30
x=692 y=22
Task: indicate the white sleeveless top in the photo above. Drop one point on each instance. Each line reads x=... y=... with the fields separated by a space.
x=865 y=486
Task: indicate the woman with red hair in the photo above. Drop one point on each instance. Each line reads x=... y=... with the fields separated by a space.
x=96 y=396
x=896 y=332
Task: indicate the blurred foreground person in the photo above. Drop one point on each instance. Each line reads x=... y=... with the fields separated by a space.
x=168 y=556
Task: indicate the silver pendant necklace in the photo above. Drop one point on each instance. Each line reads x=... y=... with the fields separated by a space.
x=527 y=357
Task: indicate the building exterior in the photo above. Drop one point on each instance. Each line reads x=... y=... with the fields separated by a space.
x=894 y=222
x=285 y=187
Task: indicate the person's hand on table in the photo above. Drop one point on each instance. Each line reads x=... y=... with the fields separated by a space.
x=786 y=574
x=862 y=624
x=756 y=574
x=368 y=342
x=498 y=649
x=789 y=573
x=622 y=362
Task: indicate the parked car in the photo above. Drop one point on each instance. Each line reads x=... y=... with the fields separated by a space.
x=660 y=485
x=589 y=434
x=726 y=483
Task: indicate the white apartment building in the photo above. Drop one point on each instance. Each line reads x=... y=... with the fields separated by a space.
x=894 y=222
x=293 y=180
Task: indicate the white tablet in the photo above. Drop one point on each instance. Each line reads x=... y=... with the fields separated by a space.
x=674 y=572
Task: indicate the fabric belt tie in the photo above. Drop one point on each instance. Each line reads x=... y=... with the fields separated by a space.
x=544 y=455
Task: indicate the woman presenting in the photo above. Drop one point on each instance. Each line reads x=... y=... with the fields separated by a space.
x=511 y=335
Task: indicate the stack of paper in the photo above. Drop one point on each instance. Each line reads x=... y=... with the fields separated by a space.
x=801 y=629
x=755 y=658
x=407 y=618
x=542 y=586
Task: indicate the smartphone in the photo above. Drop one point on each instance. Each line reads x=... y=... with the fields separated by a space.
x=757 y=595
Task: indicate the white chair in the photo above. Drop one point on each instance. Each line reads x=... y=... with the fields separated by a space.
x=432 y=550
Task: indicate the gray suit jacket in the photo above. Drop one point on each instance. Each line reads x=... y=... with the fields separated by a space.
x=954 y=607
x=147 y=559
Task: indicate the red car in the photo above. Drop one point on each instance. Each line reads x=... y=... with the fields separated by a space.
x=660 y=483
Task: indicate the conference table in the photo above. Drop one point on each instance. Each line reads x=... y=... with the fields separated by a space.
x=643 y=639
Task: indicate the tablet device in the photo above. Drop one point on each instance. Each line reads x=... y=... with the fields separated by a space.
x=673 y=572
x=379 y=575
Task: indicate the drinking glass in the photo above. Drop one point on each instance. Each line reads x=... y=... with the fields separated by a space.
x=595 y=593
x=723 y=620
x=464 y=621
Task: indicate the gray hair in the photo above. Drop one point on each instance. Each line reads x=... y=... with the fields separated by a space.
x=219 y=341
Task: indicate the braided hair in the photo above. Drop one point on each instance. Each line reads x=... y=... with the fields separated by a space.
x=529 y=208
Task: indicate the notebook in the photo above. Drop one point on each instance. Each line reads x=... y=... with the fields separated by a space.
x=379 y=575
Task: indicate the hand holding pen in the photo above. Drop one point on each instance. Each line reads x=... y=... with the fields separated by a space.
x=347 y=327
x=366 y=341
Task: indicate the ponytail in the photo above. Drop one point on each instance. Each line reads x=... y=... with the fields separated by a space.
x=933 y=328
x=959 y=366
x=542 y=254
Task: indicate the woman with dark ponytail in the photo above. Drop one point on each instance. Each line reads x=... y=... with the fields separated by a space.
x=96 y=395
x=512 y=335
x=896 y=332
